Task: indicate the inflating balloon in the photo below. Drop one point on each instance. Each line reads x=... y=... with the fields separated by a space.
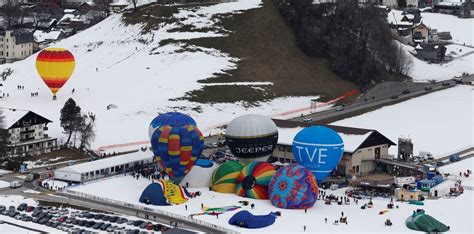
x=170 y=118
x=55 y=66
x=251 y=137
x=177 y=145
x=253 y=180
x=319 y=149
x=225 y=176
x=293 y=187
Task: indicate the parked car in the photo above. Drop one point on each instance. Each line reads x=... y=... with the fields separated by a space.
x=29 y=208
x=113 y=219
x=121 y=220
x=143 y=225
x=15 y=184
x=394 y=97
x=97 y=225
x=22 y=207
x=11 y=208
x=307 y=120
x=454 y=158
x=445 y=83
x=29 y=178
x=406 y=91
x=137 y=223
x=2 y=208
x=340 y=108
x=428 y=88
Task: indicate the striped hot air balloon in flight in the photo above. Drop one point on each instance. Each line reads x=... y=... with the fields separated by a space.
x=55 y=66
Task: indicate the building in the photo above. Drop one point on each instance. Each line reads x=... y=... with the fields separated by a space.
x=15 y=45
x=103 y=167
x=430 y=52
x=405 y=195
x=460 y=8
x=389 y=3
x=420 y=33
x=26 y=133
x=361 y=146
x=47 y=4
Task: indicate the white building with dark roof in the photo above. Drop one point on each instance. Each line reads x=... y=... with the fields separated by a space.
x=26 y=133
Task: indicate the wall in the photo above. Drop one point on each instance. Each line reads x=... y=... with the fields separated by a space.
x=11 y=51
x=37 y=132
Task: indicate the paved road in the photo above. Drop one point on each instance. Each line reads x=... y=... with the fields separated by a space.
x=361 y=107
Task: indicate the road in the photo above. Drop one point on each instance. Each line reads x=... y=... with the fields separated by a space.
x=357 y=108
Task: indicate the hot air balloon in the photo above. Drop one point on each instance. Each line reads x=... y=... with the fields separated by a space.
x=253 y=180
x=293 y=187
x=225 y=176
x=168 y=119
x=319 y=149
x=251 y=137
x=55 y=66
x=177 y=144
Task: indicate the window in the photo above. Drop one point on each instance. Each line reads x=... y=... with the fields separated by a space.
x=289 y=149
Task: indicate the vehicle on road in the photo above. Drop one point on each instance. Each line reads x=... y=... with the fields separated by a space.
x=445 y=83
x=426 y=155
x=340 y=108
x=454 y=158
x=406 y=91
x=22 y=207
x=307 y=120
x=29 y=178
x=15 y=184
x=394 y=97
x=428 y=88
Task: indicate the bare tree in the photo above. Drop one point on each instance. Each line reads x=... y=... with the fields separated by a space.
x=13 y=14
x=134 y=5
x=87 y=135
x=103 y=6
x=3 y=135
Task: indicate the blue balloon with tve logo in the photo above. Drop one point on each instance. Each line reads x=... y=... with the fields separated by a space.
x=319 y=149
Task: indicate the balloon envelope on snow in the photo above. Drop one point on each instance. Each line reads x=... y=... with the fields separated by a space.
x=293 y=187
x=253 y=180
x=224 y=178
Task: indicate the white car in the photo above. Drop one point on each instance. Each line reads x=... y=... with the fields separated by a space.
x=307 y=120
x=15 y=184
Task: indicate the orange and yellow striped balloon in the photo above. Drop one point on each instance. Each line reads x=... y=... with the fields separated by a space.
x=55 y=66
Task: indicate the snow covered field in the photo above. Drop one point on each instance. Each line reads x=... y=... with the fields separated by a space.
x=462 y=34
x=460 y=166
x=293 y=220
x=439 y=122
x=4 y=184
x=7 y=228
x=117 y=64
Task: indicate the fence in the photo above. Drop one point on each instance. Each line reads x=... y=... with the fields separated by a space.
x=147 y=209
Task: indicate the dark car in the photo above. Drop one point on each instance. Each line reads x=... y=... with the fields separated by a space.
x=2 y=208
x=122 y=220
x=11 y=208
x=43 y=221
x=70 y=220
x=138 y=223
x=428 y=88
x=113 y=219
x=394 y=97
x=81 y=222
x=49 y=223
x=89 y=215
x=28 y=219
x=106 y=218
x=406 y=91
x=13 y=213
x=22 y=207
x=104 y=226
x=75 y=221
x=98 y=216
x=90 y=223
x=36 y=212
x=97 y=225
x=445 y=83
x=157 y=227
x=55 y=224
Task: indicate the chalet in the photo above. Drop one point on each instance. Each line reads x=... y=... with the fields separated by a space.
x=361 y=146
x=460 y=8
x=46 y=25
x=118 y=5
x=430 y=52
x=26 y=133
x=15 y=44
x=420 y=33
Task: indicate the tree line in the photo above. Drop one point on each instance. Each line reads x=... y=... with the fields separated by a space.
x=356 y=40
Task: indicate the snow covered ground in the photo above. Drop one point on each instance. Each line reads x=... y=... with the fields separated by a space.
x=56 y=184
x=118 y=64
x=4 y=184
x=460 y=166
x=3 y=172
x=439 y=122
x=7 y=228
x=293 y=220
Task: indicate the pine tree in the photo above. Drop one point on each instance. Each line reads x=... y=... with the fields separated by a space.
x=71 y=118
x=87 y=134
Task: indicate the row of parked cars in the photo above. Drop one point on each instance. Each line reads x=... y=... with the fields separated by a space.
x=77 y=221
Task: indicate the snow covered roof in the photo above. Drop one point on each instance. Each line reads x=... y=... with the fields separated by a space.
x=11 y=116
x=351 y=141
x=108 y=162
x=451 y=3
x=69 y=10
x=66 y=16
x=41 y=36
x=120 y=3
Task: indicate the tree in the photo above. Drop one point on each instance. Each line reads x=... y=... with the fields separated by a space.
x=14 y=15
x=134 y=5
x=402 y=3
x=87 y=134
x=71 y=118
x=3 y=135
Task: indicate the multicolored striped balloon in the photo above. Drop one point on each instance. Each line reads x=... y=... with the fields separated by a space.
x=177 y=147
x=253 y=180
x=225 y=176
x=55 y=66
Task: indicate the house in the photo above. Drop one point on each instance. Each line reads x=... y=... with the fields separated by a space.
x=43 y=38
x=46 y=25
x=460 y=8
x=48 y=4
x=71 y=3
x=15 y=44
x=26 y=133
x=86 y=7
x=412 y=3
x=433 y=36
x=405 y=195
x=118 y=5
x=420 y=33
x=361 y=146
x=430 y=52
x=425 y=3
x=389 y=3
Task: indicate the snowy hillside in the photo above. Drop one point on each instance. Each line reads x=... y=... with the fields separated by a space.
x=440 y=122
x=118 y=64
x=463 y=38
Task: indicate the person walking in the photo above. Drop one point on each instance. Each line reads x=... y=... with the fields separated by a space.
x=186 y=207
x=305 y=210
x=304 y=228
x=326 y=220
x=252 y=206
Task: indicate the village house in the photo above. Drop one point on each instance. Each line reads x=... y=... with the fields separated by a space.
x=460 y=8
x=430 y=52
x=420 y=33
x=361 y=147
x=15 y=44
x=26 y=133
